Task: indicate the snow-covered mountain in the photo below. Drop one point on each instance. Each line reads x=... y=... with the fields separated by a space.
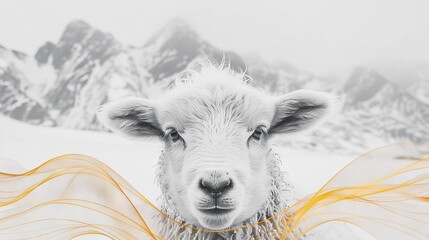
x=16 y=88
x=375 y=111
x=65 y=82
x=89 y=67
x=391 y=109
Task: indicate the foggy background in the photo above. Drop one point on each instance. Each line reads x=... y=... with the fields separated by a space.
x=60 y=60
x=319 y=36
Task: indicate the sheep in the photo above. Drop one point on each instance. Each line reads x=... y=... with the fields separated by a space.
x=219 y=168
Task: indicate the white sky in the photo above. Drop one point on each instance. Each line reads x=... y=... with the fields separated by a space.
x=320 y=36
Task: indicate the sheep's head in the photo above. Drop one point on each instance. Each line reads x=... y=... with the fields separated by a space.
x=217 y=133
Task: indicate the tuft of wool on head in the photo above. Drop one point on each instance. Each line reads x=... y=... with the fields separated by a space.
x=210 y=74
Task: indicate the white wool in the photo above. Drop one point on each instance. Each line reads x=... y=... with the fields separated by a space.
x=212 y=73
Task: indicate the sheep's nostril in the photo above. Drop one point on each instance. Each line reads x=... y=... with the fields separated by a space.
x=215 y=188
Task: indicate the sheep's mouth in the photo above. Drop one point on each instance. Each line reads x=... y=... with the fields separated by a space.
x=216 y=211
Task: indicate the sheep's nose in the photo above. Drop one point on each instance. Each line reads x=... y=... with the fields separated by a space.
x=215 y=188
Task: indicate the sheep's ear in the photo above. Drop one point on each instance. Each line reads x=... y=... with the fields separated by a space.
x=299 y=110
x=131 y=117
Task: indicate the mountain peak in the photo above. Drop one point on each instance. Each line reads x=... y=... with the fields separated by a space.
x=177 y=30
x=364 y=84
x=75 y=31
x=178 y=24
x=76 y=26
x=44 y=52
x=80 y=36
x=177 y=38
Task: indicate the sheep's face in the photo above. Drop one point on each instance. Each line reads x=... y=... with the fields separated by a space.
x=217 y=151
x=216 y=144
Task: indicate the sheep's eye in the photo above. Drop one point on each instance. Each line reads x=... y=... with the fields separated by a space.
x=174 y=135
x=258 y=133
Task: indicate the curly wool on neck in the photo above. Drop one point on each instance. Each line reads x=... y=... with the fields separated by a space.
x=281 y=196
